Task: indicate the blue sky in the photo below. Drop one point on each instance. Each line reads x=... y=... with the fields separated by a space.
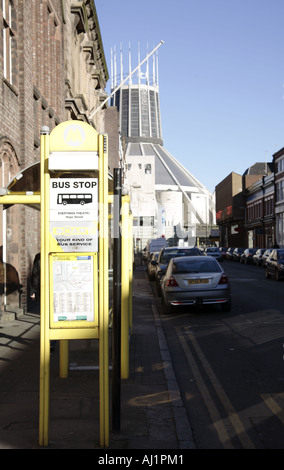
x=221 y=76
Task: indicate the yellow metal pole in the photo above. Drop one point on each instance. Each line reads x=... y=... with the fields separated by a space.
x=42 y=325
x=125 y=288
x=103 y=292
x=130 y=259
x=20 y=199
x=44 y=289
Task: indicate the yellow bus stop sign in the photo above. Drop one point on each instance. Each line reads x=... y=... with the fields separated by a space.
x=74 y=147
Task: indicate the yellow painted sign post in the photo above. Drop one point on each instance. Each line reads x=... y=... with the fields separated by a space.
x=74 y=202
x=74 y=249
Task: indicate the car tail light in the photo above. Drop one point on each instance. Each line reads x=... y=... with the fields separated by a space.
x=224 y=279
x=171 y=282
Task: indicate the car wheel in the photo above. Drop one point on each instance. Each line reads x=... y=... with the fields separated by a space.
x=166 y=307
x=227 y=307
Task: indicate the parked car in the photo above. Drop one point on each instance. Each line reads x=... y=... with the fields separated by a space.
x=155 y=244
x=237 y=254
x=195 y=280
x=229 y=253
x=275 y=264
x=214 y=251
x=247 y=255
x=150 y=267
x=165 y=255
x=265 y=256
x=257 y=257
x=223 y=251
x=144 y=256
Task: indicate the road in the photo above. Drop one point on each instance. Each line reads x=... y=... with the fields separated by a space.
x=230 y=366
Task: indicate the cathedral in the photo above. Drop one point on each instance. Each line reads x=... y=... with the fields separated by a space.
x=166 y=199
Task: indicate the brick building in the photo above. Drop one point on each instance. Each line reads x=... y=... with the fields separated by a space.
x=245 y=207
x=278 y=159
x=260 y=213
x=52 y=69
x=230 y=210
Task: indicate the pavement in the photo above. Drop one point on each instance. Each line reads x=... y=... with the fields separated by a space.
x=152 y=415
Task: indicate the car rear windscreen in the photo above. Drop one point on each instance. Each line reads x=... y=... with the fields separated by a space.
x=196 y=266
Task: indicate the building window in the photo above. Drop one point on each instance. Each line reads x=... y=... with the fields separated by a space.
x=280 y=191
x=8 y=35
x=144 y=112
x=280 y=230
x=148 y=169
x=143 y=221
x=134 y=113
x=268 y=207
x=280 y=165
x=148 y=221
x=153 y=111
x=249 y=213
x=124 y=113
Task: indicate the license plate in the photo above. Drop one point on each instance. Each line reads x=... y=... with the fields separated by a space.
x=197 y=281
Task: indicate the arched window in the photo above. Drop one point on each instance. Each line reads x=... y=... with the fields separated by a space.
x=8 y=162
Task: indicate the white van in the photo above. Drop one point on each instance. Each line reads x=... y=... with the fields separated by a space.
x=156 y=244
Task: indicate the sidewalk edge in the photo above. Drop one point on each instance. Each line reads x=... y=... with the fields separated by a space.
x=183 y=428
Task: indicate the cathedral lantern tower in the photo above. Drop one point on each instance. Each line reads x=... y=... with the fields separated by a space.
x=138 y=101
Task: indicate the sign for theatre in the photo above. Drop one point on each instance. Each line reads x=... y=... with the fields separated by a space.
x=74 y=214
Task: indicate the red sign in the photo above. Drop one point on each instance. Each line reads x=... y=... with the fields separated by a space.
x=227 y=211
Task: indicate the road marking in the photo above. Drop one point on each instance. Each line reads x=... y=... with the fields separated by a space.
x=274 y=407
x=215 y=416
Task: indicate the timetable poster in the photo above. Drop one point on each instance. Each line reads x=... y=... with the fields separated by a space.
x=73 y=288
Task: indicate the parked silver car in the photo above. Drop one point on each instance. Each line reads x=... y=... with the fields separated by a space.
x=275 y=264
x=237 y=253
x=164 y=257
x=265 y=256
x=247 y=256
x=150 y=267
x=229 y=253
x=195 y=280
x=257 y=257
x=214 y=251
